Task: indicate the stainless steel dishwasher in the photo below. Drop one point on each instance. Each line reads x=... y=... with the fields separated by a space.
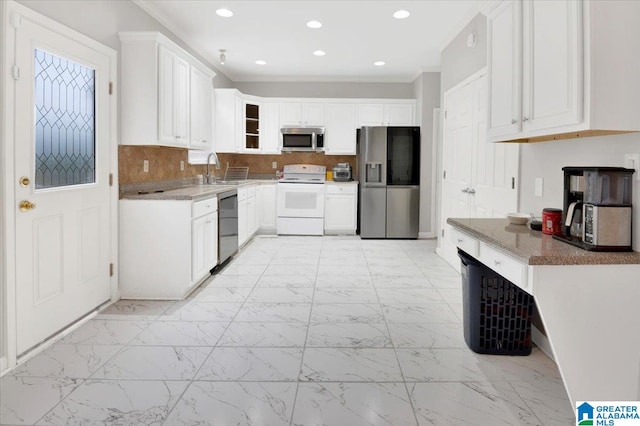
x=227 y=225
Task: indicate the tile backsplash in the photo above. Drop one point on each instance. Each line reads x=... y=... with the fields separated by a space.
x=164 y=163
x=262 y=164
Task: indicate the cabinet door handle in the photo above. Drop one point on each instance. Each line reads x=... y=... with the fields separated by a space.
x=204 y=141
x=514 y=121
x=466 y=190
x=471 y=191
x=460 y=240
x=496 y=262
x=525 y=118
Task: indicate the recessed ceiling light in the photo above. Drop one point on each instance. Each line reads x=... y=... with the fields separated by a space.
x=401 y=14
x=379 y=63
x=225 y=13
x=314 y=24
x=319 y=53
x=261 y=62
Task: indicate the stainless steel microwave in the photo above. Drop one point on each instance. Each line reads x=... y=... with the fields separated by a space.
x=310 y=139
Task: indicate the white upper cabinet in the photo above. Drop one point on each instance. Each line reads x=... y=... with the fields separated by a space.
x=301 y=114
x=157 y=106
x=340 y=118
x=229 y=129
x=245 y=124
x=505 y=53
x=340 y=129
x=552 y=78
x=201 y=110
x=552 y=58
x=173 y=105
x=269 y=128
x=370 y=115
x=386 y=114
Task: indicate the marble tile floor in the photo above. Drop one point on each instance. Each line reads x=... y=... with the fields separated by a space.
x=295 y=331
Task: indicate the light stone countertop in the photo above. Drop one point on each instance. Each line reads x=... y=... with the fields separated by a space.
x=534 y=247
x=198 y=191
x=190 y=192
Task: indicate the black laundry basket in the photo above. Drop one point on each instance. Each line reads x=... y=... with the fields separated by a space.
x=496 y=313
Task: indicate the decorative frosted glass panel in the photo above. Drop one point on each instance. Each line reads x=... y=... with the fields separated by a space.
x=65 y=122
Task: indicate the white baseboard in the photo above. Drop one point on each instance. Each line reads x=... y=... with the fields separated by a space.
x=426 y=235
x=542 y=342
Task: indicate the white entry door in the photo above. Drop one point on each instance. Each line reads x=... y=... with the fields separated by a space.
x=479 y=177
x=62 y=160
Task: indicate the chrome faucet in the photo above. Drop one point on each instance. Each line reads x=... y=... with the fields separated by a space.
x=211 y=179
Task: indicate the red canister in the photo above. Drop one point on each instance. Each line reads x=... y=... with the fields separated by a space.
x=552 y=221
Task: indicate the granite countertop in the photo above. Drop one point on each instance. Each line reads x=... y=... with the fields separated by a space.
x=185 y=191
x=188 y=190
x=534 y=247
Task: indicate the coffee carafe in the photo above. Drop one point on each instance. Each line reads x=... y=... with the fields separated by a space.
x=597 y=208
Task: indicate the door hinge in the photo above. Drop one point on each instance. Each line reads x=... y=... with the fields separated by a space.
x=111 y=269
x=513 y=183
x=442 y=233
x=110 y=179
x=445 y=114
x=444 y=174
x=110 y=88
x=16 y=72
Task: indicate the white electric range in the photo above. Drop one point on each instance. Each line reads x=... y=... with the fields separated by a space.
x=301 y=200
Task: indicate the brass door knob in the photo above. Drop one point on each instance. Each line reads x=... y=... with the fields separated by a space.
x=24 y=181
x=25 y=206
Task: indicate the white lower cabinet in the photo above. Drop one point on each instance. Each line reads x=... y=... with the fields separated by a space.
x=340 y=208
x=167 y=247
x=243 y=217
x=266 y=207
x=204 y=245
x=252 y=223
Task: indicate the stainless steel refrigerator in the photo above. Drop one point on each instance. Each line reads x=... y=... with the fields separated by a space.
x=389 y=175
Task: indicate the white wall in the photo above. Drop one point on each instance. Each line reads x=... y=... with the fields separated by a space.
x=327 y=90
x=103 y=19
x=546 y=160
x=459 y=61
x=427 y=93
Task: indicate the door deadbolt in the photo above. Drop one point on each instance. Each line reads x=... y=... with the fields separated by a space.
x=24 y=181
x=25 y=206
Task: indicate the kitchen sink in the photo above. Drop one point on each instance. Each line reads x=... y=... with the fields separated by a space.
x=226 y=182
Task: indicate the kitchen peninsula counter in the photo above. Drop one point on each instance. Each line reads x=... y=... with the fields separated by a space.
x=533 y=247
x=588 y=302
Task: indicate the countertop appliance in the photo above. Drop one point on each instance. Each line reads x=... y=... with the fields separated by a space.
x=227 y=225
x=310 y=139
x=597 y=208
x=300 y=201
x=342 y=172
x=389 y=175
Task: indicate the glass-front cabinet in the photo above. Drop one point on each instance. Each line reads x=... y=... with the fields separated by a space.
x=251 y=126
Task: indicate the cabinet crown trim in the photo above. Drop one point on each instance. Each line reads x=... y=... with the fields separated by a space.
x=155 y=36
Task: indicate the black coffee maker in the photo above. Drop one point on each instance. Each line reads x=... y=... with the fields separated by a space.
x=597 y=208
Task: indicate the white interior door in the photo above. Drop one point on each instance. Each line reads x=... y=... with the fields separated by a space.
x=494 y=167
x=479 y=177
x=456 y=161
x=62 y=161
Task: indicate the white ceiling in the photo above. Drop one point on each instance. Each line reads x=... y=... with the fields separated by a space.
x=355 y=34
